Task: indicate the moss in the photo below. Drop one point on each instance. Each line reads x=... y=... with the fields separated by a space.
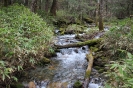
x=94 y=49
x=88 y=20
x=62 y=31
x=17 y=85
x=91 y=42
x=77 y=84
x=78 y=21
x=45 y=60
x=101 y=70
x=97 y=67
x=87 y=74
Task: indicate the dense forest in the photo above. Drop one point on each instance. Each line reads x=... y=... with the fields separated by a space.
x=28 y=41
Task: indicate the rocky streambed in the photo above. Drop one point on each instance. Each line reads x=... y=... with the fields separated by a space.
x=66 y=70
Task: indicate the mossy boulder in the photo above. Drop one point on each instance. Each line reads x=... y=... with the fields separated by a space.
x=74 y=28
x=77 y=84
x=88 y=20
x=45 y=60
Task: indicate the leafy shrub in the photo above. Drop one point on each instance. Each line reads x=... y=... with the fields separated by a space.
x=118 y=44
x=119 y=38
x=120 y=72
x=24 y=39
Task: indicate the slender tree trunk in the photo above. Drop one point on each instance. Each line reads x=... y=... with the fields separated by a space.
x=26 y=2
x=5 y=2
x=40 y=4
x=96 y=15
x=53 y=8
x=34 y=6
x=46 y=5
x=100 y=18
x=8 y=2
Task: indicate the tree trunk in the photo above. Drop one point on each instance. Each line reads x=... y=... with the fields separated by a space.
x=79 y=44
x=34 y=6
x=96 y=16
x=46 y=5
x=53 y=8
x=88 y=70
x=26 y=2
x=5 y=3
x=40 y=4
x=100 y=19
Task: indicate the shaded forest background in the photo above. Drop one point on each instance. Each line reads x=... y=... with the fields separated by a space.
x=78 y=8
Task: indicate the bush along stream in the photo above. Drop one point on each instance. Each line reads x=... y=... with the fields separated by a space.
x=66 y=70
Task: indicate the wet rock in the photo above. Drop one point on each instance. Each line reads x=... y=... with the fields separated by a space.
x=76 y=50
x=83 y=48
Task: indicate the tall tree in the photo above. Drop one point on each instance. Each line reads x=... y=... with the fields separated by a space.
x=26 y=2
x=100 y=15
x=34 y=6
x=53 y=8
x=46 y=5
x=7 y=2
x=40 y=4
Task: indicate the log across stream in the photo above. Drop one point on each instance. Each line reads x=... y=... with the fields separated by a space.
x=68 y=67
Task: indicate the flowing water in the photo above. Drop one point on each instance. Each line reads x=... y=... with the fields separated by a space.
x=66 y=68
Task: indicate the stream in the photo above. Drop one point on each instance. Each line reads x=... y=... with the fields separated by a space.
x=65 y=69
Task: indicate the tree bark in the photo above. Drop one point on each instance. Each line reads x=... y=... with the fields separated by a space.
x=88 y=70
x=40 y=4
x=53 y=8
x=79 y=44
x=96 y=15
x=26 y=2
x=100 y=19
x=34 y=6
x=5 y=3
x=46 y=5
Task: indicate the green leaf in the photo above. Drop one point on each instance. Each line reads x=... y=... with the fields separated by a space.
x=129 y=55
x=114 y=66
x=130 y=80
x=120 y=70
x=7 y=76
x=15 y=78
x=20 y=68
x=2 y=63
x=3 y=77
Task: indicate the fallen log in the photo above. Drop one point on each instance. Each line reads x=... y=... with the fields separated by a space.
x=88 y=70
x=79 y=44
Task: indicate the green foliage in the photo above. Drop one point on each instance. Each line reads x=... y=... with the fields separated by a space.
x=24 y=39
x=119 y=38
x=121 y=8
x=118 y=43
x=75 y=27
x=120 y=72
x=46 y=17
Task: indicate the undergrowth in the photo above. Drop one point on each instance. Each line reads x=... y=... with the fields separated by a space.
x=118 y=43
x=24 y=40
